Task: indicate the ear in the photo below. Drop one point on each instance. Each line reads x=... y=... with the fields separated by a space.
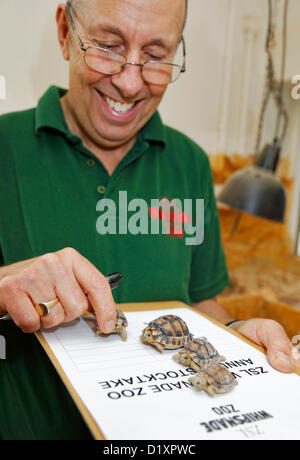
x=63 y=32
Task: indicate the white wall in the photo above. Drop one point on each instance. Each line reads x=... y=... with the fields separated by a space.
x=30 y=57
x=216 y=102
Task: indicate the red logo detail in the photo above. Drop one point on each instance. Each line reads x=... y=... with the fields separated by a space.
x=173 y=218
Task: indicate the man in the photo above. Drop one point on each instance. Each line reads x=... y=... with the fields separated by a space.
x=77 y=149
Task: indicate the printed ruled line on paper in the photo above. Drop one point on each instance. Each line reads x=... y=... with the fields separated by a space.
x=98 y=345
x=89 y=353
x=100 y=351
x=105 y=354
x=107 y=362
x=102 y=358
x=105 y=366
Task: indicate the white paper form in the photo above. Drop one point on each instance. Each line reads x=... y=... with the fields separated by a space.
x=134 y=392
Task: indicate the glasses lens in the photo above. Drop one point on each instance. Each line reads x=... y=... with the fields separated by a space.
x=160 y=73
x=104 y=61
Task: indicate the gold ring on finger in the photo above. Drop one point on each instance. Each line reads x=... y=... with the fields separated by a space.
x=44 y=308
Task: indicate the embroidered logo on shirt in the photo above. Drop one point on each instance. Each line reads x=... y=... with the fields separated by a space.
x=173 y=217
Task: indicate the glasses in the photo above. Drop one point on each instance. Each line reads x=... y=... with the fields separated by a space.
x=108 y=62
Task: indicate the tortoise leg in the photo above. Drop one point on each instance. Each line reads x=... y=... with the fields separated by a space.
x=210 y=390
x=159 y=346
x=123 y=333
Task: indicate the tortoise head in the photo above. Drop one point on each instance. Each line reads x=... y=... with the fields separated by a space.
x=183 y=358
x=198 y=381
x=147 y=336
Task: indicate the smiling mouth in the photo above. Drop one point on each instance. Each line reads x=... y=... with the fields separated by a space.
x=117 y=106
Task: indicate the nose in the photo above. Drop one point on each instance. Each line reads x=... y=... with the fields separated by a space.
x=130 y=81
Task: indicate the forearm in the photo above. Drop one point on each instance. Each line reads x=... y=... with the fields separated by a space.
x=213 y=309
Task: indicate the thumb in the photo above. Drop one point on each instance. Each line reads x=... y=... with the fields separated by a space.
x=296 y=351
x=278 y=345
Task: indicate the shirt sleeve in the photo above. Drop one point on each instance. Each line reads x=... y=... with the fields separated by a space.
x=209 y=274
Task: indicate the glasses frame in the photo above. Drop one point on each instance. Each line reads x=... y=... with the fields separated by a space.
x=85 y=49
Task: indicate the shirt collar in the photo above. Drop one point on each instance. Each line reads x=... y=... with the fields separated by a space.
x=49 y=114
x=154 y=130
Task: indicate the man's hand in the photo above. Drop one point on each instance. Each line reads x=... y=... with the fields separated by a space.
x=65 y=274
x=270 y=335
x=263 y=332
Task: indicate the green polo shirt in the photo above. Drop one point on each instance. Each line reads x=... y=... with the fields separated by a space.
x=55 y=193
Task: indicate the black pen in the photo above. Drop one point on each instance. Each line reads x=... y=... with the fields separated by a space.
x=114 y=280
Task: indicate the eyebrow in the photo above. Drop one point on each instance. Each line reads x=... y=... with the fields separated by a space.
x=112 y=30
x=116 y=31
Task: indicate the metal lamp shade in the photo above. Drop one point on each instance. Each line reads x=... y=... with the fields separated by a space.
x=255 y=191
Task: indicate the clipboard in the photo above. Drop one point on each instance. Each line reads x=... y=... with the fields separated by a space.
x=128 y=307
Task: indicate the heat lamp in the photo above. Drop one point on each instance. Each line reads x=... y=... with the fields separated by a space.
x=257 y=190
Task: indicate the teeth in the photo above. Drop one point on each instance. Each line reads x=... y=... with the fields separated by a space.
x=117 y=106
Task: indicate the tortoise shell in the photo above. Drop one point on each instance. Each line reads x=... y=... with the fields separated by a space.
x=218 y=376
x=201 y=354
x=170 y=331
x=214 y=380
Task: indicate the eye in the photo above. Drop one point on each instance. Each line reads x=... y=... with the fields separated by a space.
x=200 y=381
x=154 y=58
x=184 y=357
x=154 y=55
x=108 y=47
x=114 y=47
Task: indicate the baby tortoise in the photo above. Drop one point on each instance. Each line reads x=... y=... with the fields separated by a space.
x=214 y=380
x=121 y=324
x=198 y=354
x=166 y=332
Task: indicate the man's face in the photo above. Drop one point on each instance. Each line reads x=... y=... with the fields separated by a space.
x=141 y=30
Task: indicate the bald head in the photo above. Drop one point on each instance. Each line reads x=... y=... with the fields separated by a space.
x=75 y=3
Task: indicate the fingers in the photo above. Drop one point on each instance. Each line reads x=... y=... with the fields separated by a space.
x=296 y=351
x=36 y=281
x=73 y=277
x=272 y=336
x=65 y=275
x=99 y=293
x=279 y=348
x=19 y=305
x=63 y=285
